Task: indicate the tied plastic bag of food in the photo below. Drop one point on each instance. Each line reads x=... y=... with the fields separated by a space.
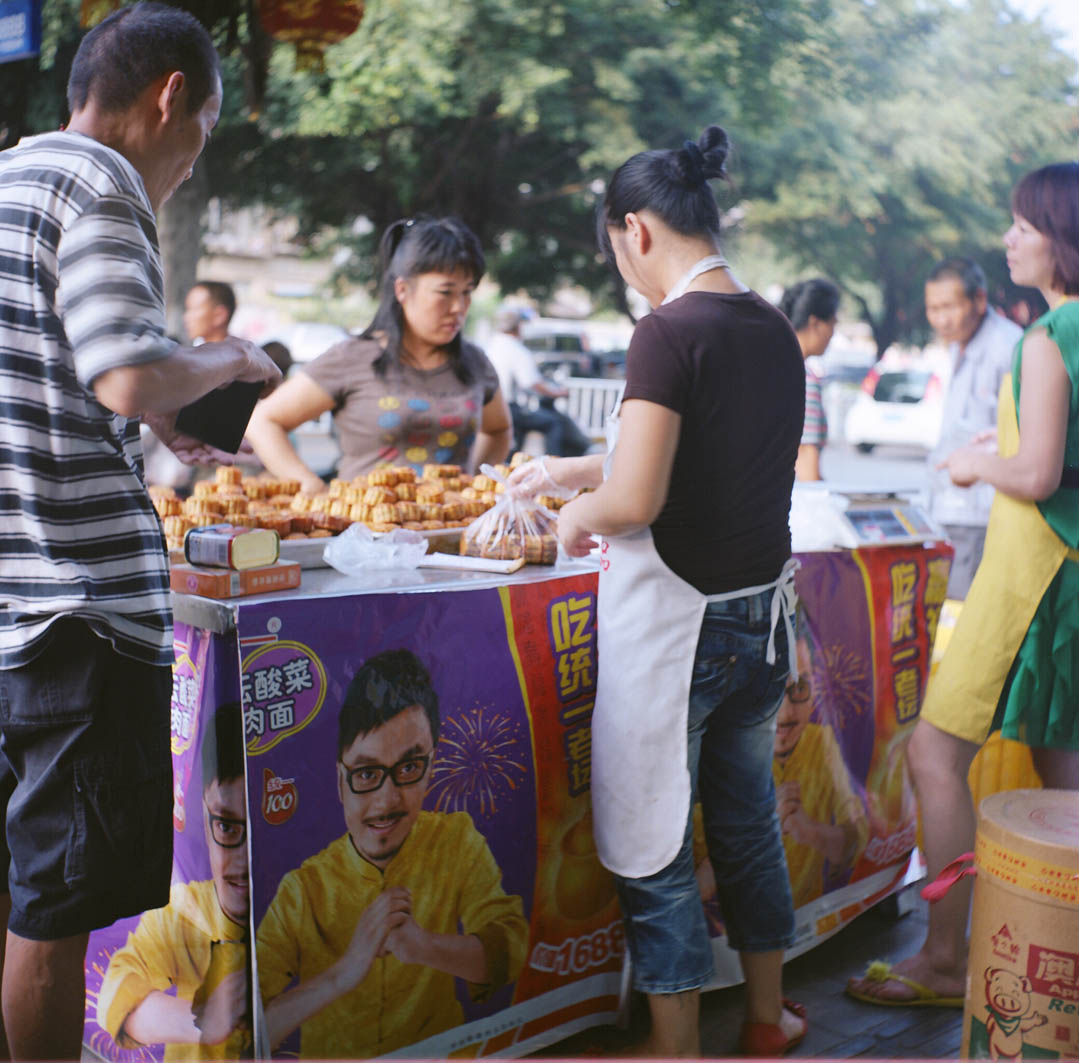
x=515 y=526
x=357 y=550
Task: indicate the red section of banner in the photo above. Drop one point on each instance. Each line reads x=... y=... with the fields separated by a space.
x=568 y=1014
x=576 y=929
x=905 y=590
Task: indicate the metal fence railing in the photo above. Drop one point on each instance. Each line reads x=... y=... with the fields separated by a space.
x=590 y=403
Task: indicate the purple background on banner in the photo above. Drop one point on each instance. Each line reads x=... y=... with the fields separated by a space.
x=103 y=943
x=461 y=639
x=215 y=682
x=219 y=683
x=842 y=653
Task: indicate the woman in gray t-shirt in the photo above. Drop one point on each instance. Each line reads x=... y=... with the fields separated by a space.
x=409 y=390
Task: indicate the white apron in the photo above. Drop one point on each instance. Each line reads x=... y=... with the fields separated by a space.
x=649 y=621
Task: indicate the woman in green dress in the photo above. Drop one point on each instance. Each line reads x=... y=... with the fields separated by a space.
x=1013 y=661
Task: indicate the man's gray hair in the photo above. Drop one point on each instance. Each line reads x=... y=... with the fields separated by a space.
x=964 y=270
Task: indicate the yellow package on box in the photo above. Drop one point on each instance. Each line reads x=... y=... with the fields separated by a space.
x=226 y=546
x=1022 y=994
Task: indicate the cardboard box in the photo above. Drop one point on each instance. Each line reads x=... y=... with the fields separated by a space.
x=1022 y=994
x=230 y=583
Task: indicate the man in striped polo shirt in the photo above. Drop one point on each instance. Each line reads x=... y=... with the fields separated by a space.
x=85 y=624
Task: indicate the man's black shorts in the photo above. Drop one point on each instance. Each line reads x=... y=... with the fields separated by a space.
x=85 y=786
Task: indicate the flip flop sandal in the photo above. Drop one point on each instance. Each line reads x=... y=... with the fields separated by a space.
x=879 y=972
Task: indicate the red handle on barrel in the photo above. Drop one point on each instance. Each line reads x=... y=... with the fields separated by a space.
x=948 y=877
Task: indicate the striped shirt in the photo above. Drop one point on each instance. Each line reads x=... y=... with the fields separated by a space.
x=815 y=428
x=80 y=293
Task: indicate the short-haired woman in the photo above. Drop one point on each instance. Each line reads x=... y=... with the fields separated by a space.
x=1013 y=660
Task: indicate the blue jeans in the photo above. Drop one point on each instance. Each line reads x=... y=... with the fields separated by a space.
x=733 y=703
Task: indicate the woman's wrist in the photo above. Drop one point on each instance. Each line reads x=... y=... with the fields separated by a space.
x=576 y=473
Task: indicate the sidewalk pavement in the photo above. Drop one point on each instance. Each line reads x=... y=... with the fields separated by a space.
x=839 y=1027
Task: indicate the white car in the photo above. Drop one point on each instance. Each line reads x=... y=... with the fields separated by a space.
x=896 y=407
x=306 y=340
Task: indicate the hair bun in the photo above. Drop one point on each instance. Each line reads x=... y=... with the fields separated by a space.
x=691 y=164
x=699 y=161
x=713 y=145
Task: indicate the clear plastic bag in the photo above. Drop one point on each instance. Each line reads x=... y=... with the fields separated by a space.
x=515 y=526
x=356 y=550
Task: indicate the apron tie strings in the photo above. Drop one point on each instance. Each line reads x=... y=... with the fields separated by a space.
x=784 y=599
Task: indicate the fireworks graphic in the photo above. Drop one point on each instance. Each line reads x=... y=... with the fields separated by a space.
x=478 y=762
x=842 y=680
x=99 y=1042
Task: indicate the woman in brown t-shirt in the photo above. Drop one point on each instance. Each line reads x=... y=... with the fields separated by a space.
x=408 y=390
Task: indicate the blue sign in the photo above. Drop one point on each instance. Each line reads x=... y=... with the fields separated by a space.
x=20 y=29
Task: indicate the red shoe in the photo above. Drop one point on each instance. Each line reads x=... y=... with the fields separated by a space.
x=763 y=1039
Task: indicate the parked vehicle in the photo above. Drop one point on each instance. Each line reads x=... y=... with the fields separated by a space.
x=896 y=407
x=564 y=347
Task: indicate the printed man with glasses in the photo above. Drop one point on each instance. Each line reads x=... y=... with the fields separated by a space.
x=362 y=943
x=823 y=822
x=199 y=942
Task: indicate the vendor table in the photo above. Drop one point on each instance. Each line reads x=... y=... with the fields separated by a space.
x=506 y=822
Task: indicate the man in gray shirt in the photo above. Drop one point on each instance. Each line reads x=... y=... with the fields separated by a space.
x=981 y=343
x=86 y=784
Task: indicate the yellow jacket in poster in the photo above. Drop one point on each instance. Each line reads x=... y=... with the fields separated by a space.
x=817 y=764
x=175 y=946
x=456 y=887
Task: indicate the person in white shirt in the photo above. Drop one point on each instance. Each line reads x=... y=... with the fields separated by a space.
x=980 y=343
x=518 y=377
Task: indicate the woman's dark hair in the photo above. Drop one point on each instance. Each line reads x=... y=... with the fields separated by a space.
x=812 y=298
x=128 y=51
x=408 y=248
x=1049 y=199
x=673 y=184
x=384 y=686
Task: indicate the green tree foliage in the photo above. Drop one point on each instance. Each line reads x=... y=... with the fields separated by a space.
x=505 y=113
x=871 y=136
x=914 y=119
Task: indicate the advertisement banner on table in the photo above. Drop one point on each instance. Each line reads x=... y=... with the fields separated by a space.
x=864 y=630
x=421 y=897
x=173 y=983
x=866 y=623
x=424 y=878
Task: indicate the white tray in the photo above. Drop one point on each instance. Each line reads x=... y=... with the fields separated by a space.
x=307 y=551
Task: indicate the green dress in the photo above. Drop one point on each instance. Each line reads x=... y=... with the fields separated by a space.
x=1039 y=705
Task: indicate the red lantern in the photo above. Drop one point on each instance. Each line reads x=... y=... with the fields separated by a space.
x=310 y=25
